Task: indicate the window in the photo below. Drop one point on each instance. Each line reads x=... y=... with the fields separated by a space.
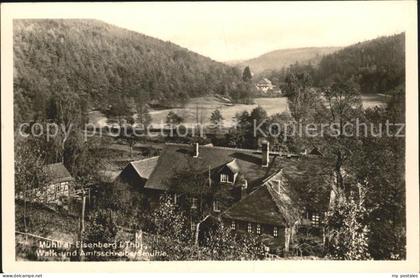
x=216 y=206
x=224 y=178
x=275 y=232
x=249 y=228
x=194 y=203
x=233 y=225
x=193 y=226
x=258 y=229
x=315 y=220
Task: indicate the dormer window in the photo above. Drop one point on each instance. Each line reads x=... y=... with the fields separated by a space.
x=224 y=178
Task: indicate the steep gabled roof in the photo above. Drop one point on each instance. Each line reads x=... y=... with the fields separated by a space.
x=57 y=172
x=266 y=205
x=178 y=158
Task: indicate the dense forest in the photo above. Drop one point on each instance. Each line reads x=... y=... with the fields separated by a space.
x=101 y=63
x=377 y=66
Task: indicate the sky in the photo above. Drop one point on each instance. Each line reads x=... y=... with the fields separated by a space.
x=226 y=31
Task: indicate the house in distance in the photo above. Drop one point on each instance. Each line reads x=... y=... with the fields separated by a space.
x=264 y=85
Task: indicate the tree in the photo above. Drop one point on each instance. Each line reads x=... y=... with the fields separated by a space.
x=171 y=233
x=344 y=106
x=143 y=115
x=248 y=128
x=247 y=75
x=302 y=98
x=119 y=110
x=216 y=118
x=83 y=157
x=380 y=160
x=349 y=231
x=29 y=172
x=66 y=110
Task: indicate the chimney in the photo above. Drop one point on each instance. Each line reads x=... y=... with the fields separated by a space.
x=196 y=150
x=265 y=153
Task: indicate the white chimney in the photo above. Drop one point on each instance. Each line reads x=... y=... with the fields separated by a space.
x=196 y=150
x=265 y=159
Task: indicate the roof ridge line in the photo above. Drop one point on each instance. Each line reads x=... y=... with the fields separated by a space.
x=272 y=175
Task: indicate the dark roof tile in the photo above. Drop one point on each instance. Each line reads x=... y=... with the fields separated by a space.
x=268 y=204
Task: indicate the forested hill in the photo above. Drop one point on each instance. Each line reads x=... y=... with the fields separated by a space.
x=101 y=62
x=378 y=65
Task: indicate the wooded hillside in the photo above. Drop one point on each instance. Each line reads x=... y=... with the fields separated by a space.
x=101 y=62
x=377 y=66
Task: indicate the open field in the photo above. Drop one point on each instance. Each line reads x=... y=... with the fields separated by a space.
x=201 y=109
